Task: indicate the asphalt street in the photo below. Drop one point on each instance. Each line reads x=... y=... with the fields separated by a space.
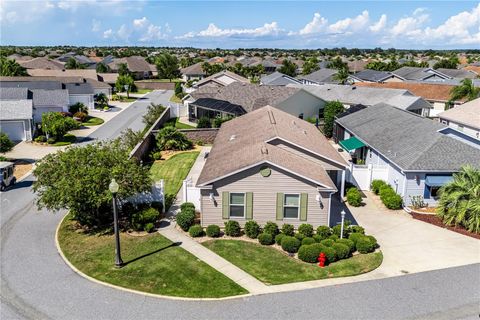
x=37 y=284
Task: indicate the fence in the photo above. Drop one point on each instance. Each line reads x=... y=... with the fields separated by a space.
x=155 y=85
x=156 y=194
x=362 y=175
x=178 y=110
x=190 y=193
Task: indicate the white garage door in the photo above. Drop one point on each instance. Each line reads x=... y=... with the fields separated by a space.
x=14 y=130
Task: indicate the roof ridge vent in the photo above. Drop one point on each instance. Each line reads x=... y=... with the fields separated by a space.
x=271 y=117
x=232 y=137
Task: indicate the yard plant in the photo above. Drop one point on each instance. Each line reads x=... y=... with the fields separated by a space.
x=354 y=198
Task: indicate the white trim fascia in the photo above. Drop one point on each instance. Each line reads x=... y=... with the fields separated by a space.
x=329 y=209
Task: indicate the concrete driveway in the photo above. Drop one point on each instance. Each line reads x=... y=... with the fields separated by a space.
x=410 y=245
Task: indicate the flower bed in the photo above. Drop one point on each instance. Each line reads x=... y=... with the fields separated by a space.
x=437 y=221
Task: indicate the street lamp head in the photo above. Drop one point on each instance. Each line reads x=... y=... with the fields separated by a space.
x=343 y=213
x=113 y=186
x=126 y=86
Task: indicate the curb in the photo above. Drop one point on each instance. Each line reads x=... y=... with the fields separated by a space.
x=146 y=294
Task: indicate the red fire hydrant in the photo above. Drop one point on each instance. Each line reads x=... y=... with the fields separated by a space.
x=321 y=260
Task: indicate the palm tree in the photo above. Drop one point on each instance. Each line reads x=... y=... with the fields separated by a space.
x=341 y=76
x=459 y=202
x=466 y=89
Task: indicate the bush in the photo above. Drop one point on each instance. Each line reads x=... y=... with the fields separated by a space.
x=204 y=122
x=372 y=240
x=271 y=227
x=390 y=198
x=376 y=185
x=306 y=229
x=288 y=230
x=310 y=253
x=330 y=254
x=299 y=236
x=354 y=198
x=186 y=218
x=338 y=229
x=290 y=244
x=196 y=231
x=349 y=243
x=317 y=238
x=5 y=143
x=149 y=227
x=80 y=116
x=265 y=239
x=354 y=237
x=334 y=237
x=41 y=139
x=307 y=241
x=324 y=232
x=156 y=155
x=232 y=229
x=143 y=217
x=278 y=238
x=186 y=205
x=327 y=242
x=356 y=229
x=78 y=107
x=213 y=231
x=341 y=250
x=252 y=229
x=51 y=140
x=169 y=138
x=365 y=245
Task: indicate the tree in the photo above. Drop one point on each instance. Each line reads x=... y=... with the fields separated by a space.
x=331 y=109
x=169 y=138
x=311 y=65
x=130 y=138
x=154 y=111
x=167 y=66
x=466 y=89
x=337 y=63
x=5 y=143
x=122 y=81
x=289 y=68
x=446 y=64
x=212 y=68
x=341 y=76
x=123 y=69
x=78 y=107
x=178 y=90
x=101 y=100
x=459 y=202
x=54 y=124
x=73 y=64
x=77 y=179
x=10 y=68
x=102 y=68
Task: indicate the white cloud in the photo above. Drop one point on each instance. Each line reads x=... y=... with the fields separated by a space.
x=410 y=26
x=380 y=24
x=96 y=25
x=212 y=31
x=140 y=23
x=12 y=12
x=315 y=26
x=139 y=30
x=124 y=32
x=350 y=24
x=107 y=34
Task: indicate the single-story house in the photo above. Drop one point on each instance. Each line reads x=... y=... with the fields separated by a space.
x=269 y=165
x=138 y=66
x=41 y=63
x=220 y=79
x=420 y=74
x=278 y=79
x=321 y=76
x=49 y=101
x=81 y=93
x=239 y=98
x=16 y=113
x=458 y=73
x=464 y=118
x=411 y=153
x=368 y=75
x=193 y=72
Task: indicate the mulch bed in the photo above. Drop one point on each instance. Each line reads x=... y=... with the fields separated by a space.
x=437 y=221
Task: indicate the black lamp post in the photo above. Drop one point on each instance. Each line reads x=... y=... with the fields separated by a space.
x=113 y=187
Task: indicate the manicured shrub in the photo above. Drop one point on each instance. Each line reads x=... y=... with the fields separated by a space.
x=213 y=231
x=307 y=241
x=5 y=143
x=349 y=243
x=41 y=139
x=204 y=122
x=288 y=230
x=376 y=185
x=141 y=218
x=330 y=254
x=232 y=229
x=356 y=229
x=299 y=236
x=354 y=237
x=310 y=253
x=354 y=198
x=81 y=116
x=390 y=198
x=290 y=244
x=78 y=107
x=186 y=218
x=186 y=205
x=317 y=238
x=324 y=231
x=149 y=227
x=338 y=229
x=327 y=242
x=265 y=239
x=373 y=240
x=334 y=237
x=196 y=231
x=341 y=250
x=306 y=229
x=252 y=229
x=278 y=238
x=365 y=245
x=272 y=228
x=51 y=140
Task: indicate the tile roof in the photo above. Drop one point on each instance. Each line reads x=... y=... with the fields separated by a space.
x=16 y=109
x=244 y=142
x=467 y=114
x=278 y=79
x=223 y=78
x=50 y=98
x=410 y=141
x=42 y=63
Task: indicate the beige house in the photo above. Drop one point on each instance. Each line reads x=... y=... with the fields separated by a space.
x=268 y=165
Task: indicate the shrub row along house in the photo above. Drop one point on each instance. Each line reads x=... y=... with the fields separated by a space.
x=269 y=165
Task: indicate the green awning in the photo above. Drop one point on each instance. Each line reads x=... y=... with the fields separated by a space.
x=351 y=144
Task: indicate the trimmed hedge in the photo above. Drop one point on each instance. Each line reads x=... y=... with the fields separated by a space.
x=141 y=218
x=324 y=231
x=299 y=236
x=376 y=185
x=307 y=241
x=330 y=254
x=213 y=231
x=390 y=198
x=356 y=229
x=265 y=239
x=354 y=198
x=288 y=230
x=278 y=238
x=306 y=230
x=186 y=205
x=232 y=228
x=252 y=229
x=349 y=243
x=365 y=245
x=290 y=244
x=309 y=253
x=327 y=242
x=196 y=231
x=338 y=229
x=186 y=218
x=272 y=228
x=354 y=237
x=334 y=237
x=341 y=250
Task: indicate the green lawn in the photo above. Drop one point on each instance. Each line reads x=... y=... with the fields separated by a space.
x=92 y=121
x=175 y=123
x=273 y=267
x=175 y=99
x=143 y=91
x=67 y=139
x=153 y=264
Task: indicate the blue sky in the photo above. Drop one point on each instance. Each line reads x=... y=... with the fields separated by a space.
x=233 y=24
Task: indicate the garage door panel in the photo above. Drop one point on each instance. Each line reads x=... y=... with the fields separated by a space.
x=14 y=130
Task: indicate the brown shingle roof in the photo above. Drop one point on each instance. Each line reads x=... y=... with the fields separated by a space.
x=215 y=77
x=195 y=69
x=42 y=63
x=83 y=73
x=475 y=69
x=467 y=114
x=244 y=142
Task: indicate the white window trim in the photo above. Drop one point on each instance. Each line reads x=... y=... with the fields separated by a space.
x=298 y=207
x=244 y=205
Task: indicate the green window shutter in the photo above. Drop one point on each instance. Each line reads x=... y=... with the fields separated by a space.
x=279 y=206
x=225 y=205
x=249 y=208
x=303 y=206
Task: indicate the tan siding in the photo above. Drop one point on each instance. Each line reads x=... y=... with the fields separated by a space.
x=264 y=197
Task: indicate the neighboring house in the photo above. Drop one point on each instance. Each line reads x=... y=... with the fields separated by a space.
x=239 y=98
x=81 y=93
x=352 y=95
x=270 y=166
x=438 y=94
x=458 y=73
x=368 y=75
x=138 y=66
x=464 y=118
x=77 y=73
x=193 y=72
x=220 y=79
x=278 y=79
x=81 y=59
x=42 y=63
x=356 y=65
x=56 y=100
x=415 y=155
x=420 y=74
x=16 y=113
x=473 y=68
x=320 y=76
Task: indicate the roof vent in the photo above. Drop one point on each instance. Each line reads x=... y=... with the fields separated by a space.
x=232 y=137
x=353 y=88
x=271 y=117
x=264 y=150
